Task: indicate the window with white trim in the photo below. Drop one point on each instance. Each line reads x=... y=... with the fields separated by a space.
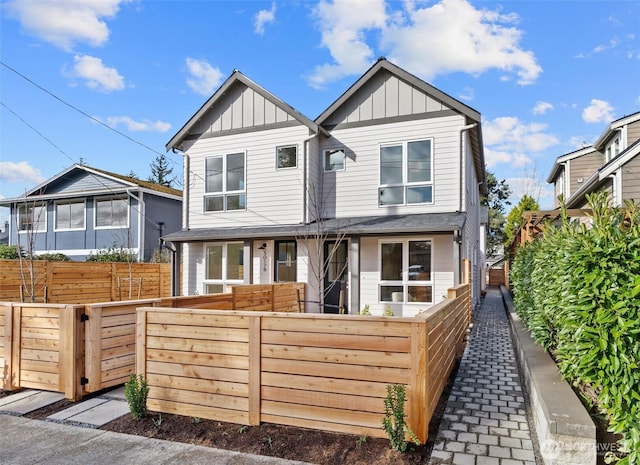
x=286 y=157
x=406 y=271
x=224 y=266
x=112 y=212
x=225 y=183
x=32 y=217
x=406 y=173
x=334 y=159
x=70 y=215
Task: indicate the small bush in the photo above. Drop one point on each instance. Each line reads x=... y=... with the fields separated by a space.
x=112 y=254
x=53 y=257
x=10 y=252
x=394 y=421
x=136 y=391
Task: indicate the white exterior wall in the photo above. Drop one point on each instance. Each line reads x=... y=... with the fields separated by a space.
x=273 y=196
x=471 y=247
x=192 y=268
x=443 y=274
x=354 y=191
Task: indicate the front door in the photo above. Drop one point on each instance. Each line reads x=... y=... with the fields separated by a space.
x=335 y=279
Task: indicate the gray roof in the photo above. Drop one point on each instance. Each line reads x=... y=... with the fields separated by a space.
x=354 y=226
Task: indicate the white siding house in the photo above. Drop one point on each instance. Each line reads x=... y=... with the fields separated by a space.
x=375 y=202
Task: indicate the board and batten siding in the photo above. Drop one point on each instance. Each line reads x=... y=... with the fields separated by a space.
x=582 y=168
x=82 y=182
x=354 y=191
x=631 y=179
x=443 y=273
x=273 y=196
x=385 y=95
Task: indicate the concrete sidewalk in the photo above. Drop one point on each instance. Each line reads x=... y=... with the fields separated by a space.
x=485 y=420
x=34 y=442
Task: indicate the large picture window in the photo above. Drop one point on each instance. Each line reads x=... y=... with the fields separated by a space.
x=70 y=215
x=406 y=271
x=112 y=212
x=32 y=217
x=224 y=266
x=285 y=261
x=406 y=173
x=225 y=183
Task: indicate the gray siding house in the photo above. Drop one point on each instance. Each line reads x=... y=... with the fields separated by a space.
x=375 y=202
x=611 y=163
x=82 y=210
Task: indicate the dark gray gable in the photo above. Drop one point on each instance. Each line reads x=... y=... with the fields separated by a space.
x=386 y=92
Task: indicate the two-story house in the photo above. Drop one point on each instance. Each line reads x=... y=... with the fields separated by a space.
x=611 y=163
x=375 y=202
x=83 y=210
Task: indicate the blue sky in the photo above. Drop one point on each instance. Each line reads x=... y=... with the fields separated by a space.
x=547 y=76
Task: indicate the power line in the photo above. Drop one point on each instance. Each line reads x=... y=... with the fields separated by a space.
x=96 y=120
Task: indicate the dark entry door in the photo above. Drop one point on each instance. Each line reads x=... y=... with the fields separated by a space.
x=335 y=280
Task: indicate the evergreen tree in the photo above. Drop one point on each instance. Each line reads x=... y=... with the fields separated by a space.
x=161 y=172
x=496 y=199
x=515 y=219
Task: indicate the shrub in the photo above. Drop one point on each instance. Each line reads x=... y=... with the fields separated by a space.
x=112 y=254
x=136 y=391
x=10 y=252
x=579 y=291
x=394 y=422
x=53 y=257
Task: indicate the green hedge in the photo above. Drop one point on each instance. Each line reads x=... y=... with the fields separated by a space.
x=577 y=288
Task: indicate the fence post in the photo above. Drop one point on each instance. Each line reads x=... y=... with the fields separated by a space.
x=93 y=348
x=7 y=309
x=255 y=366
x=418 y=421
x=71 y=354
x=16 y=326
x=141 y=342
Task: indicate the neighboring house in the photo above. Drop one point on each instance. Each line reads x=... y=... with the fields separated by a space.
x=82 y=210
x=4 y=234
x=611 y=163
x=383 y=188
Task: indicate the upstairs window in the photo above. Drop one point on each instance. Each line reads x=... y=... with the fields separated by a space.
x=70 y=215
x=112 y=212
x=287 y=157
x=334 y=160
x=225 y=183
x=406 y=173
x=32 y=217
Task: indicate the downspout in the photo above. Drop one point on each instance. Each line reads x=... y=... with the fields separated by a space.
x=185 y=192
x=305 y=177
x=462 y=178
x=141 y=223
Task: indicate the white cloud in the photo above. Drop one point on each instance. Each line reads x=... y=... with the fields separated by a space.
x=599 y=111
x=542 y=107
x=138 y=126
x=204 y=77
x=343 y=24
x=509 y=141
x=453 y=36
x=532 y=185
x=96 y=74
x=446 y=37
x=613 y=43
x=64 y=23
x=264 y=17
x=467 y=94
x=21 y=171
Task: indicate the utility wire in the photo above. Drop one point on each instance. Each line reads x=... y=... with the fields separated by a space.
x=78 y=109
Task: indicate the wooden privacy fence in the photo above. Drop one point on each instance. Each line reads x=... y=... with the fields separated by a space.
x=80 y=349
x=321 y=371
x=82 y=282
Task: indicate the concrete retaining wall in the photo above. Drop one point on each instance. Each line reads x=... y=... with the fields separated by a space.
x=566 y=434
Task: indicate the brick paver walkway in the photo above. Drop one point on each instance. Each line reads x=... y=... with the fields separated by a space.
x=485 y=421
